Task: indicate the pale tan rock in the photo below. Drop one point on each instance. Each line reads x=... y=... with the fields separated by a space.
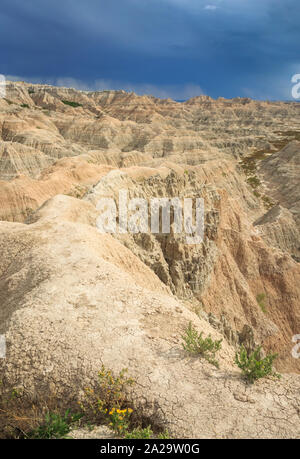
x=281 y=171
x=279 y=229
x=101 y=432
x=16 y=159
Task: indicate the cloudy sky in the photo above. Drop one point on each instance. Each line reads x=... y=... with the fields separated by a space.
x=169 y=48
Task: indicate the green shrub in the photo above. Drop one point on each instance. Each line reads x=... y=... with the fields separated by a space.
x=146 y=433
x=140 y=433
x=261 y=301
x=195 y=345
x=254 y=181
x=55 y=426
x=268 y=203
x=24 y=105
x=72 y=104
x=253 y=366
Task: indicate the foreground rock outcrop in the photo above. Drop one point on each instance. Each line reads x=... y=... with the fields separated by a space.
x=76 y=299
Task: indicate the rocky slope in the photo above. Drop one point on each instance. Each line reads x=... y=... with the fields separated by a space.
x=72 y=299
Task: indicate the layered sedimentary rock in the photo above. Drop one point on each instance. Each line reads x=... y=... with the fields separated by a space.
x=281 y=172
x=76 y=298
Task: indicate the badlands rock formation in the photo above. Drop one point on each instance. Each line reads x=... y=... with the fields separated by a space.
x=72 y=298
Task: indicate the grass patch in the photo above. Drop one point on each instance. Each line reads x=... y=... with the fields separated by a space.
x=268 y=203
x=249 y=163
x=145 y=434
x=56 y=426
x=249 y=167
x=140 y=433
x=255 y=367
x=21 y=416
x=254 y=182
x=196 y=345
x=260 y=298
x=105 y=404
x=71 y=104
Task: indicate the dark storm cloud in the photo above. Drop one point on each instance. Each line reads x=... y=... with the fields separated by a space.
x=176 y=47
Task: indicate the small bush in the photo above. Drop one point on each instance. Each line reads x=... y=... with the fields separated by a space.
x=195 y=345
x=24 y=105
x=107 y=402
x=55 y=426
x=253 y=366
x=71 y=104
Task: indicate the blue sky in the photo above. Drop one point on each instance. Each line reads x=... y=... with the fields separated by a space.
x=168 y=48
